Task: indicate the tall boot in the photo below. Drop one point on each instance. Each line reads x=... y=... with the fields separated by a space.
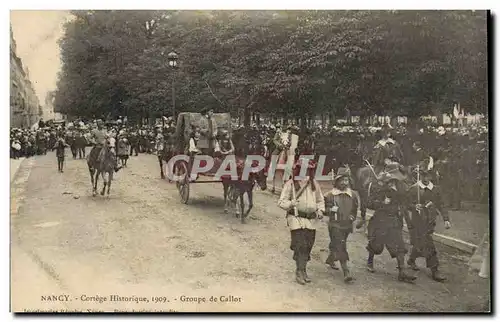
x=403 y=276
x=369 y=263
x=411 y=262
x=330 y=262
x=437 y=276
x=304 y=271
x=347 y=274
x=299 y=275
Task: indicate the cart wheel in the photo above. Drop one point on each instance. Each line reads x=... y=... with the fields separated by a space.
x=183 y=185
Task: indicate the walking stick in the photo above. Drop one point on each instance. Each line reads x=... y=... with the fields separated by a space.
x=418 y=185
x=371 y=168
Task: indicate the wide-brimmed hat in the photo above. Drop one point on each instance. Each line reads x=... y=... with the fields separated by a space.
x=425 y=172
x=392 y=172
x=341 y=173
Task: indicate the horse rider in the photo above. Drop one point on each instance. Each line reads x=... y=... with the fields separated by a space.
x=303 y=202
x=101 y=146
x=282 y=141
x=386 y=151
x=426 y=204
x=280 y=144
x=341 y=205
x=385 y=228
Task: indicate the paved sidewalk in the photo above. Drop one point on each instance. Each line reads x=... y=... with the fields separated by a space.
x=468 y=225
x=14 y=167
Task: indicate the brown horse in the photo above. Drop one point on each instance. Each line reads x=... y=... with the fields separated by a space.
x=165 y=154
x=104 y=166
x=235 y=190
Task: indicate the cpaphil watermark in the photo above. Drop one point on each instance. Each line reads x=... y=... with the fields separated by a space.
x=177 y=168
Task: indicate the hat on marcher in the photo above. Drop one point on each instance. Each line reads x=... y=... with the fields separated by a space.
x=392 y=172
x=425 y=172
x=341 y=173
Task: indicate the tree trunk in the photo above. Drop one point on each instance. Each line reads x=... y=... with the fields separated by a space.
x=362 y=120
x=332 y=119
x=247 y=114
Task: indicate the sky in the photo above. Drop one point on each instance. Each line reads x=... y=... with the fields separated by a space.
x=36 y=34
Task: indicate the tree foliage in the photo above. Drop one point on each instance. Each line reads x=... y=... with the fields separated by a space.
x=292 y=63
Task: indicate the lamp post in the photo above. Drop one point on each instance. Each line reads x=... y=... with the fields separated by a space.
x=172 y=62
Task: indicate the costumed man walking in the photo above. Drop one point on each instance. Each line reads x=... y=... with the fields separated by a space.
x=60 y=147
x=386 y=225
x=425 y=205
x=303 y=201
x=122 y=147
x=341 y=205
x=134 y=142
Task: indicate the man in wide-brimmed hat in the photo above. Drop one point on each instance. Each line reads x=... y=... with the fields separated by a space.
x=386 y=225
x=303 y=201
x=341 y=205
x=425 y=205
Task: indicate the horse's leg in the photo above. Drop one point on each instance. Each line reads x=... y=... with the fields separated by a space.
x=242 y=206
x=91 y=171
x=110 y=178
x=103 y=174
x=234 y=198
x=250 y=200
x=160 y=161
x=226 y=188
x=96 y=179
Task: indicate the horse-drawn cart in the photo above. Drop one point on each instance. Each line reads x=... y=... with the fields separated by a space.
x=234 y=188
x=186 y=124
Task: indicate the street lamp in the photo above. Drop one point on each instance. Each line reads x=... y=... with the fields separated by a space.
x=172 y=62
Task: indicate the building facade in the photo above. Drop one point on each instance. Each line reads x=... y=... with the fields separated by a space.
x=25 y=109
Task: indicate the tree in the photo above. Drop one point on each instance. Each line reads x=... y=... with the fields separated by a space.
x=283 y=63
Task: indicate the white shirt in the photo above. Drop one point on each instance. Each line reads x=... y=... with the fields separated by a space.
x=385 y=141
x=429 y=186
x=309 y=202
x=192 y=146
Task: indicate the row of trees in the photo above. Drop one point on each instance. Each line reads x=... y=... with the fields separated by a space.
x=281 y=63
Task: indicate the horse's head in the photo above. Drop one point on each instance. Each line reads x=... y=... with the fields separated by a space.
x=111 y=143
x=261 y=179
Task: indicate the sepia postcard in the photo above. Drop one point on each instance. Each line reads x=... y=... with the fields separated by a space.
x=249 y=161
